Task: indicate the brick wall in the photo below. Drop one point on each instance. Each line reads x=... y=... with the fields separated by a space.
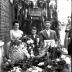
x=5 y=20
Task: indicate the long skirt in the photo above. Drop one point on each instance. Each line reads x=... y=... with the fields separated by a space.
x=70 y=48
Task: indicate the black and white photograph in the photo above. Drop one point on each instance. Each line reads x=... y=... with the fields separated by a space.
x=35 y=36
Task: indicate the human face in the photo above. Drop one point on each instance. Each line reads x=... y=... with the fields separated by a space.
x=34 y=32
x=47 y=26
x=16 y=26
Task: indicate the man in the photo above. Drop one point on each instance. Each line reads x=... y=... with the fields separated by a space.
x=47 y=33
x=34 y=36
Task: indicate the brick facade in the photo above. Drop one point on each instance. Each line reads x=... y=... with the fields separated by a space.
x=5 y=20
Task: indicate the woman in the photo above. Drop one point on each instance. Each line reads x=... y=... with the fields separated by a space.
x=70 y=42
x=18 y=49
x=15 y=33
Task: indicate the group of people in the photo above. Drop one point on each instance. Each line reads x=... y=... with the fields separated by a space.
x=16 y=36
x=46 y=34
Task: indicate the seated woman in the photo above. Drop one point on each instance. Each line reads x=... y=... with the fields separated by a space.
x=15 y=33
x=17 y=48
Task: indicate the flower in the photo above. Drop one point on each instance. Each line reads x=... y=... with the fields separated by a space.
x=63 y=56
x=30 y=41
x=49 y=66
x=41 y=63
x=65 y=51
x=66 y=58
x=9 y=60
x=57 y=59
x=34 y=69
x=16 y=69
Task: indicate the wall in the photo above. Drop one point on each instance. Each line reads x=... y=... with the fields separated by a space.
x=5 y=20
x=64 y=10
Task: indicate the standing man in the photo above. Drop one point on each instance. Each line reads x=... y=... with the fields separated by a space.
x=47 y=33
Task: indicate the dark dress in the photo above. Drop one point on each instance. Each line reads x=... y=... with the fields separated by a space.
x=70 y=44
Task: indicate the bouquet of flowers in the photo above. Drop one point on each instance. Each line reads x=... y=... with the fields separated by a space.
x=30 y=47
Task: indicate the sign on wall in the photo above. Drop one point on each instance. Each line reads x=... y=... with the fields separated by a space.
x=35 y=12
